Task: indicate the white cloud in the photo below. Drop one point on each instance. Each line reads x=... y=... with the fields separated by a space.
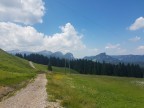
x=141 y=48
x=86 y=52
x=68 y=40
x=110 y=46
x=27 y=38
x=138 y=24
x=135 y=39
x=115 y=49
x=22 y=11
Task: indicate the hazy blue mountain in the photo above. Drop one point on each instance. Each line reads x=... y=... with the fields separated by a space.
x=13 y=52
x=135 y=59
x=45 y=53
x=69 y=56
x=57 y=54
x=130 y=58
x=102 y=57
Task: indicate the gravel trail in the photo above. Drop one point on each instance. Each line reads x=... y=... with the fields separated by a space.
x=31 y=64
x=33 y=96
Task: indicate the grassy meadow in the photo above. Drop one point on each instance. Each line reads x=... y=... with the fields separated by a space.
x=63 y=70
x=89 y=91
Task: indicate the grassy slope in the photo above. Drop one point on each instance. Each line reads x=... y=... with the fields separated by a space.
x=14 y=70
x=86 y=91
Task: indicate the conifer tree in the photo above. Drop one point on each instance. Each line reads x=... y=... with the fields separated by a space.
x=49 y=67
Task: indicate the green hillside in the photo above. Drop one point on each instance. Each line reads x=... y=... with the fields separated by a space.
x=92 y=91
x=11 y=63
x=14 y=71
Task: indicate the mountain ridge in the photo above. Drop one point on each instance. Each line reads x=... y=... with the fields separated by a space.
x=115 y=59
x=46 y=53
x=102 y=57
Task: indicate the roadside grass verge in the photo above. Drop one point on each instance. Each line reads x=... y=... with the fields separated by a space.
x=87 y=91
x=11 y=79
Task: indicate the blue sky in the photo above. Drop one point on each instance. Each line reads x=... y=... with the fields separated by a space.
x=101 y=22
x=83 y=27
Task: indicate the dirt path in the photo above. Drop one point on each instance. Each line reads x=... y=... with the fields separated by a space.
x=33 y=96
x=31 y=64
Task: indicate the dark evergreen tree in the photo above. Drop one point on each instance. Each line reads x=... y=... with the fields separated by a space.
x=49 y=67
x=19 y=55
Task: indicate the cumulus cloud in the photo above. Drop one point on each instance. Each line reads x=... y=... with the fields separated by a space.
x=141 y=48
x=135 y=39
x=22 y=11
x=115 y=49
x=138 y=24
x=27 y=38
x=68 y=40
x=110 y=46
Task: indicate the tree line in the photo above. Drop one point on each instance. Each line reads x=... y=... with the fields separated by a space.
x=89 y=67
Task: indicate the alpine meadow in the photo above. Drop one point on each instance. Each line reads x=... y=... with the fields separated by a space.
x=71 y=54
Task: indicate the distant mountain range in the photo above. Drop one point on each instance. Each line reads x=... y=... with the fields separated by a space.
x=46 y=53
x=114 y=59
x=102 y=57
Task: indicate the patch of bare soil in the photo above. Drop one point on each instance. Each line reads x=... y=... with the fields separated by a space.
x=4 y=91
